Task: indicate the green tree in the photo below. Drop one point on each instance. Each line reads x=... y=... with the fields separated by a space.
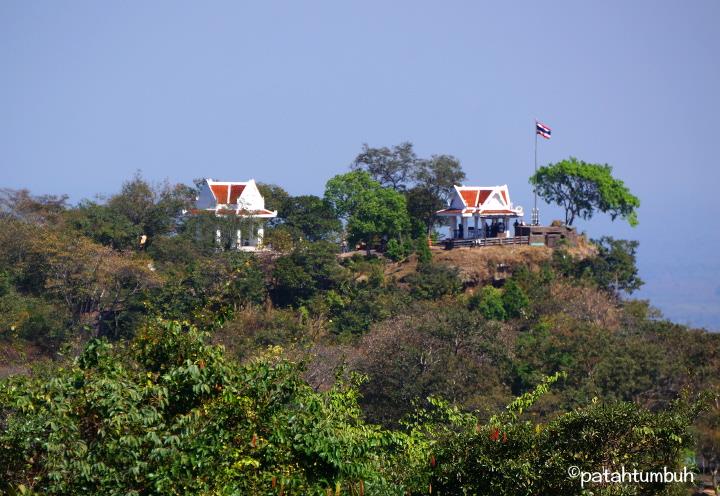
x=433 y=281
x=29 y=317
x=372 y=212
x=424 y=255
x=105 y=225
x=395 y=250
x=514 y=299
x=439 y=175
x=364 y=304
x=311 y=217
x=614 y=268
x=171 y=414
x=435 y=179
x=276 y=199
x=513 y=454
x=427 y=183
x=489 y=302
x=392 y=167
x=342 y=192
x=183 y=419
x=582 y=189
x=310 y=268
x=379 y=214
x=275 y=196
x=152 y=210
x=422 y=203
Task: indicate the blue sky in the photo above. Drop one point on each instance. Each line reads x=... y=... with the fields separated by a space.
x=287 y=92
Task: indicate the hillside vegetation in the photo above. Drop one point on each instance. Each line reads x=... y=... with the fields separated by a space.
x=177 y=368
x=491 y=263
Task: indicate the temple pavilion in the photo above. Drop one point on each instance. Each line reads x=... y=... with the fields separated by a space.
x=481 y=212
x=241 y=199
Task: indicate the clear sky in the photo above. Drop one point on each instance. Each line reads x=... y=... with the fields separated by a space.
x=287 y=92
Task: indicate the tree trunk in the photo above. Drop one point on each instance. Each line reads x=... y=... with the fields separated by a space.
x=571 y=219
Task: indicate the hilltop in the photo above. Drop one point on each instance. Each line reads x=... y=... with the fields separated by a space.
x=477 y=266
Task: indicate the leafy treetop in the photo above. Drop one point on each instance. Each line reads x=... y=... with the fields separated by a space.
x=370 y=209
x=390 y=167
x=426 y=183
x=582 y=189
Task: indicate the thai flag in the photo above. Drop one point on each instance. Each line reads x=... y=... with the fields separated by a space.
x=542 y=130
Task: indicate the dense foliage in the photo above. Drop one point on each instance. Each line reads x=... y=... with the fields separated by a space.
x=582 y=189
x=175 y=416
x=140 y=357
x=426 y=183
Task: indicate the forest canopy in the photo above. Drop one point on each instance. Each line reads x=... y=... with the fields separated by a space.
x=139 y=356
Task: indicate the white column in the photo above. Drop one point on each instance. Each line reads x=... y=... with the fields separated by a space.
x=456 y=225
x=477 y=219
x=465 y=226
x=260 y=235
x=238 y=240
x=218 y=237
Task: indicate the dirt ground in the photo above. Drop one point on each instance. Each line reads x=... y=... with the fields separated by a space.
x=487 y=263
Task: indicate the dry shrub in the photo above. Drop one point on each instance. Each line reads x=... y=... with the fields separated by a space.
x=18 y=357
x=431 y=351
x=482 y=265
x=323 y=363
x=402 y=269
x=584 y=304
x=255 y=328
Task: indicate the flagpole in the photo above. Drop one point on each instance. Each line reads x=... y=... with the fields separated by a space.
x=535 y=213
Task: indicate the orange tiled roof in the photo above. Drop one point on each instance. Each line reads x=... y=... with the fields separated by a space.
x=220 y=192
x=469 y=197
x=235 y=192
x=483 y=196
x=474 y=197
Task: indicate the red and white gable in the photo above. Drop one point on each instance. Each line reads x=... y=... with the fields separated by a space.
x=485 y=201
x=232 y=197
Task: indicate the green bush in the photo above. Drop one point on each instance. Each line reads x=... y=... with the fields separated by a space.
x=513 y=454
x=433 y=281
x=187 y=421
x=514 y=300
x=209 y=289
x=365 y=305
x=395 y=251
x=613 y=268
x=310 y=268
x=489 y=302
x=31 y=318
x=424 y=255
x=172 y=415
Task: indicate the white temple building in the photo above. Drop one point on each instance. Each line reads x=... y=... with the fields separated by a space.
x=480 y=212
x=242 y=199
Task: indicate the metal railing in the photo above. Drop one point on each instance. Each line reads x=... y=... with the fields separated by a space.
x=456 y=243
